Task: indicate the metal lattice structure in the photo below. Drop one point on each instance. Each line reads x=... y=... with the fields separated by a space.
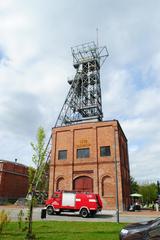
x=83 y=102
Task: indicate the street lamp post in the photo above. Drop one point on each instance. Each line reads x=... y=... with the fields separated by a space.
x=116 y=176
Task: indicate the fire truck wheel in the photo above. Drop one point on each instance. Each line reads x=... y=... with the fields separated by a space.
x=50 y=210
x=84 y=212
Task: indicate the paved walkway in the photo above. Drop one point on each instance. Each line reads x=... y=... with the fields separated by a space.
x=104 y=216
x=139 y=216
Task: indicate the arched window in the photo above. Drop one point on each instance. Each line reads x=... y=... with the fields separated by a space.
x=107 y=186
x=60 y=184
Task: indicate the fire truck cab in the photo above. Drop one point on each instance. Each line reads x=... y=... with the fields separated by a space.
x=67 y=201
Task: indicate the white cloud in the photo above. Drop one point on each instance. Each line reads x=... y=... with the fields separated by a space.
x=5 y=4
x=148 y=101
x=144 y=163
x=118 y=93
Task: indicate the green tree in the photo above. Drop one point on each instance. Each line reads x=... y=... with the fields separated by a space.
x=149 y=192
x=134 y=185
x=39 y=160
x=31 y=172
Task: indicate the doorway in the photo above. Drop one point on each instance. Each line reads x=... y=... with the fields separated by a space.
x=83 y=183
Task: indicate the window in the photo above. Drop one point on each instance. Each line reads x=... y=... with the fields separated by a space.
x=60 y=185
x=83 y=153
x=105 y=151
x=55 y=195
x=62 y=154
x=107 y=186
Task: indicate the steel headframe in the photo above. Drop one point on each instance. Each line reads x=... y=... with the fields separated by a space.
x=83 y=102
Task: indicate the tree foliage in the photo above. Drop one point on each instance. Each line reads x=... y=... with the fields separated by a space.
x=134 y=185
x=39 y=160
x=39 y=152
x=31 y=172
x=36 y=177
x=148 y=191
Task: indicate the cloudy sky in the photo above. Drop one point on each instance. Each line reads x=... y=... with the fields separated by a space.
x=35 y=62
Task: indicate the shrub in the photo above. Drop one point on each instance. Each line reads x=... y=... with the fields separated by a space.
x=20 y=218
x=4 y=219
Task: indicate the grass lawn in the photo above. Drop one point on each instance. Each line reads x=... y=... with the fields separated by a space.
x=66 y=230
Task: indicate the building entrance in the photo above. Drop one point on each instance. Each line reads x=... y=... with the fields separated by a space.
x=83 y=183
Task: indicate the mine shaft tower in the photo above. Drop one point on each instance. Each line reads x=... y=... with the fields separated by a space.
x=83 y=102
x=87 y=157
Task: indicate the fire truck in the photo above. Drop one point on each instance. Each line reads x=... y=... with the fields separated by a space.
x=67 y=201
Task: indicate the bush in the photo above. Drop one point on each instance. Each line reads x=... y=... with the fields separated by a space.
x=4 y=219
x=20 y=218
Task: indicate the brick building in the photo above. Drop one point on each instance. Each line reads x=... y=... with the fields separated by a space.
x=84 y=157
x=13 y=180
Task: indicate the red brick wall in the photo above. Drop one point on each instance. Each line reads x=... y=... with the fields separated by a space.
x=100 y=169
x=13 y=180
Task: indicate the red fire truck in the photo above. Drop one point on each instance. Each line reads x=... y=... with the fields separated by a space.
x=67 y=201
